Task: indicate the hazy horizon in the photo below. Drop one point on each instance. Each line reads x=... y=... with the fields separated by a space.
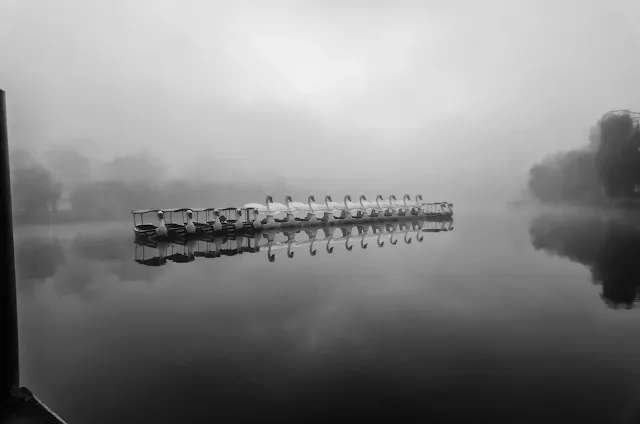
x=456 y=101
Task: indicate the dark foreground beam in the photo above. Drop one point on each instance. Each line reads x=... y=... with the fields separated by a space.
x=8 y=307
x=17 y=404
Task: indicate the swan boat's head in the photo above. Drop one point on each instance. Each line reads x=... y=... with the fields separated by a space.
x=238 y=212
x=160 y=215
x=189 y=213
x=347 y=197
x=312 y=198
x=418 y=198
x=363 y=199
x=269 y=198
x=378 y=199
x=328 y=198
x=288 y=199
x=216 y=212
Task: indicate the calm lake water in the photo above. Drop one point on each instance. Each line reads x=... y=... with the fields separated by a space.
x=507 y=318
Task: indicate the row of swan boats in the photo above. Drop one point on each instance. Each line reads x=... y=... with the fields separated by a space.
x=381 y=234
x=265 y=216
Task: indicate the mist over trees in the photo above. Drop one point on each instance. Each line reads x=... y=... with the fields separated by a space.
x=133 y=168
x=69 y=166
x=607 y=168
x=566 y=177
x=35 y=193
x=67 y=186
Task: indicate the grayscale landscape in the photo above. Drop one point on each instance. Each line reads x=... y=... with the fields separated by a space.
x=508 y=294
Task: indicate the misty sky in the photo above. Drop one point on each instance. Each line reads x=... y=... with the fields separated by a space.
x=452 y=98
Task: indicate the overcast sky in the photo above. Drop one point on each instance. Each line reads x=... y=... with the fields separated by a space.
x=453 y=98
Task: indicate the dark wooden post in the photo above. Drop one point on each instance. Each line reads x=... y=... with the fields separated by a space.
x=10 y=375
x=17 y=404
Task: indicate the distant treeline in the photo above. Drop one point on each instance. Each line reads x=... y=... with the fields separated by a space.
x=67 y=186
x=608 y=168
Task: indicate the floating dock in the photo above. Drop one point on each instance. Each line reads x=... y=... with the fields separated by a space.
x=254 y=217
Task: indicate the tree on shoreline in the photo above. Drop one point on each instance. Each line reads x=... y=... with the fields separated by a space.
x=607 y=168
x=35 y=194
x=617 y=157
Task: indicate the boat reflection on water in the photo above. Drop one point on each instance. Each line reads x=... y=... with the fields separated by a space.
x=153 y=253
x=157 y=260
x=607 y=246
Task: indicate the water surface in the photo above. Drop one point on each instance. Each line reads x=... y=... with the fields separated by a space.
x=503 y=319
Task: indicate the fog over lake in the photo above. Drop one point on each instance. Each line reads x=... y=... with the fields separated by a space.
x=520 y=308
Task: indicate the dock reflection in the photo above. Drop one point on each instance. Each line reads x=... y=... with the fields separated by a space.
x=157 y=253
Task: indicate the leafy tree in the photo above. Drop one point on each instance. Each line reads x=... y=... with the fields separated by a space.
x=34 y=192
x=19 y=159
x=566 y=177
x=617 y=156
x=609 y=166
x=112 y=199
x=69 y=167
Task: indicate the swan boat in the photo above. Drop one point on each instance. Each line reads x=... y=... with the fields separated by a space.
x=175 y=229
x=149 y=230
x=202 y=227
x=254 y=217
